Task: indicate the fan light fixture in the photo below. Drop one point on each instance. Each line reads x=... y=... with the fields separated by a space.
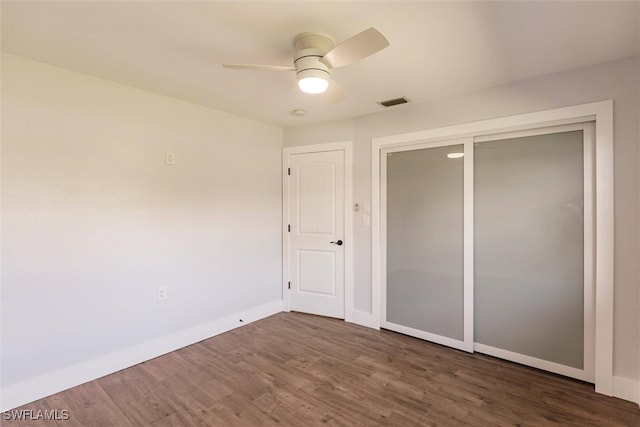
x=313 y=81
x=314 y=56
x=455 y=155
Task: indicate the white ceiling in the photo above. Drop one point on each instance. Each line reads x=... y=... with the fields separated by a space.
x=437 y=49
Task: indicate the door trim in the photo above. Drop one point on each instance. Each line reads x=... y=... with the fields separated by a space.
x=347 y=147
x=602 y=113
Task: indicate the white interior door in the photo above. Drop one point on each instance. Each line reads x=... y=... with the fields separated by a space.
x=316 y=232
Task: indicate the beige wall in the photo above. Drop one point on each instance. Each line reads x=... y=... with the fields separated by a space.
x=94 y=221
x=617 y=80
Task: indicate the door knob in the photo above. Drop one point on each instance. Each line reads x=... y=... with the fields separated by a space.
x=339 y=243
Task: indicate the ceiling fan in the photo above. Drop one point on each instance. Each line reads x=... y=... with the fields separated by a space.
x=315 y=55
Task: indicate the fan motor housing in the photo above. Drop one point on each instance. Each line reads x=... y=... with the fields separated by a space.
x=309 y=59
x=312 y=41
x=309 y=49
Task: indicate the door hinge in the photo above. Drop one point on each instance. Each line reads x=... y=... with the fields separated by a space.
x=288 y=171
x=289 y=228
x=289 y=285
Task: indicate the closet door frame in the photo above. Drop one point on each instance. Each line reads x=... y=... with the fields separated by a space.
x=599 y=112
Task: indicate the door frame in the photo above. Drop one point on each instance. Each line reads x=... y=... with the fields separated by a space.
x=347 y=147
x=602 y=113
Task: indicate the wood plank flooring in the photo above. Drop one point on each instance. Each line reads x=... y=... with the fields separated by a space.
x=295 y=369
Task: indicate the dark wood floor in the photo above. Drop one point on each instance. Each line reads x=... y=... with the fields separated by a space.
x=301 y=370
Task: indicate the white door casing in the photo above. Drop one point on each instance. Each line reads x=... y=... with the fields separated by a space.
x=317 y=230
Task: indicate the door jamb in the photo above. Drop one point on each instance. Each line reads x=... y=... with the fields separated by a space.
x=347 y=147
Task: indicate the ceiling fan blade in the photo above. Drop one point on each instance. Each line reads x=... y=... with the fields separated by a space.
x=258 y=67
x=355 y=48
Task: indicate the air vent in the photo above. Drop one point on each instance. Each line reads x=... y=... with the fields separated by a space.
x=392 y=102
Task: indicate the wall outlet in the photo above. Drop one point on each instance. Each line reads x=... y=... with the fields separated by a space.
x=162 y=293
x=170 y=158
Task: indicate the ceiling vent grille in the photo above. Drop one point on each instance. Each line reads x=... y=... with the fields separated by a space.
x=392 y=102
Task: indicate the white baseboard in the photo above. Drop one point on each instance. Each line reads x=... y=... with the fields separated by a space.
x=45 y=385
x=626 y=389
x=363 y=318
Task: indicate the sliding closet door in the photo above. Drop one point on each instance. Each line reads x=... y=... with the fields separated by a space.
x=424 y=194
x=533 y=249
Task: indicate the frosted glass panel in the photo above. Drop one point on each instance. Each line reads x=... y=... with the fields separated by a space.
x=529 y=251
x=424 y=240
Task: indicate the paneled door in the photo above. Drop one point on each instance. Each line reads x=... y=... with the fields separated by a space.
x=316 y=232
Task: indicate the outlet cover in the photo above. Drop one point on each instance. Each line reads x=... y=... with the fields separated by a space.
x=162 y=293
